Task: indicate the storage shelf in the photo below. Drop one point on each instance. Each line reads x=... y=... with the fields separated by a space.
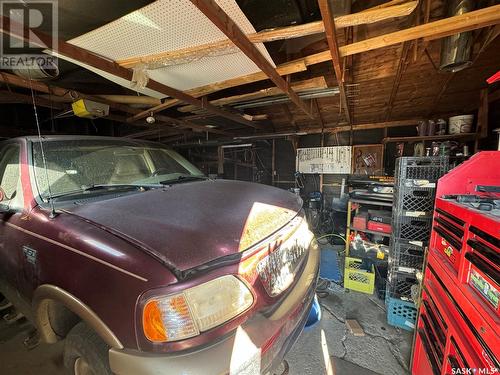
x=368 y=201
x=429 y=138
x=370 y=231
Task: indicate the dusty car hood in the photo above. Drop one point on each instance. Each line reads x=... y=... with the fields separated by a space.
x=187 y=224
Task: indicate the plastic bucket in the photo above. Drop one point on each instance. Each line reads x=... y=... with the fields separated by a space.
x=460 y=124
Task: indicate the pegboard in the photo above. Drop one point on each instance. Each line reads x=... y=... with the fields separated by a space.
x=169 y=25
x=326 y=160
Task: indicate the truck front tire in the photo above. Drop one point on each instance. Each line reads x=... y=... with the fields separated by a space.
x=85 y=353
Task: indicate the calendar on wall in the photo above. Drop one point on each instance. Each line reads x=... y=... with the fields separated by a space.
x=326 y=160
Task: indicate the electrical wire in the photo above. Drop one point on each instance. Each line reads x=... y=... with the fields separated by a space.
x=331 y=235
x=51 y=201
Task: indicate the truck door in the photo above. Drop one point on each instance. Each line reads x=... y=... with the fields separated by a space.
x=11 y=205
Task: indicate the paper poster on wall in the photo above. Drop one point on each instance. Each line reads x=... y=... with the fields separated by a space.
x=326 y=160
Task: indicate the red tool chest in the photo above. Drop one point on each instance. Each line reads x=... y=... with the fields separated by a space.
x=457 y=331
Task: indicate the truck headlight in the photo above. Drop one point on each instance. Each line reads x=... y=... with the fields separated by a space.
x=197 y=309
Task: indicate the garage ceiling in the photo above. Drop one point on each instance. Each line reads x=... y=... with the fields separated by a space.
x=398 y=82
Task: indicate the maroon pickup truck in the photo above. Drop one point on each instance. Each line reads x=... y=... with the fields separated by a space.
x=145 y=266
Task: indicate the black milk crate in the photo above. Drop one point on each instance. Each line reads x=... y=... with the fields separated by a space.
x=419 y=199
x=399 y=285
x=405 y=255
x=411 y=228
x=381 y=279
x=429 y=168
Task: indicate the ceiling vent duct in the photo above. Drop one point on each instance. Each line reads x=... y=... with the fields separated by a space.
x=456 y=50
x=38 y=72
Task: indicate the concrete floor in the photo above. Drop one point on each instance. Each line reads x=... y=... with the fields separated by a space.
x=383 y=350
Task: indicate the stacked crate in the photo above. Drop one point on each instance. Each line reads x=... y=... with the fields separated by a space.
x=414 y=194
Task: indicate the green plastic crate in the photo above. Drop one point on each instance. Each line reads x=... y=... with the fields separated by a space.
x=358 y=279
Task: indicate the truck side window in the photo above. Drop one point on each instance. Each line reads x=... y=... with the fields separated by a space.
x=10 y=175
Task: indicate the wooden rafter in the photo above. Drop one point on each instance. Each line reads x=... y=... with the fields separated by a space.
x=402 y=65
x=225 y=24
x=336 y=129
x=14 y=97
x=320 y=118
x=331 y=37
x=366 y=17
x=433 y=30
x=308 y=84
x=489 y=36
x=59 y=92
x=289 y=116
x=11 y=28
x=471 y=21
x=284 y=69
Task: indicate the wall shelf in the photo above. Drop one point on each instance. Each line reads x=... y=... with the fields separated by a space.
x=383 y=234
x=429 y=138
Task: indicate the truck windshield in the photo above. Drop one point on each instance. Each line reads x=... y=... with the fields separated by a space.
x=76 y=165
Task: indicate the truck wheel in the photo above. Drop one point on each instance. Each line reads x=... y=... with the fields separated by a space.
x=85 y=353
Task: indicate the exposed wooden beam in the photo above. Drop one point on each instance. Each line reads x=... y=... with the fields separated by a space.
x=489 y=36
x=366 y=17
x=225 y=24
x=320 y=118
x=131 y=99
x=158 y=131
x=308 y=84
x=328 y=129
x=63 y=48
x=402 y=65
x=284 y=69
x=288 y=115
x=441 y=92
x=433 y=30
x=331 y=37
x=469 y=21
x=14 y=97
x=11 y=79
x=59 y=92
x=428 y=138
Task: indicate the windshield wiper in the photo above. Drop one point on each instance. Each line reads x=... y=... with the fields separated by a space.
x=120 y=186
x=97 y=187
x=181 y=179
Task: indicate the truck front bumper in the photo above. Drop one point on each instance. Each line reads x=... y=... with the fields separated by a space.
x=256 y=347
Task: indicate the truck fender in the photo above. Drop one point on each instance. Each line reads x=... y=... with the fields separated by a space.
x=47 y=293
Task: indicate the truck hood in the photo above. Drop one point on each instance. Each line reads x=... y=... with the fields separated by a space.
x=190 y=224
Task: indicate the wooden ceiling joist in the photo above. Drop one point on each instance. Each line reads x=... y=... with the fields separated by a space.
x=402 y=65
x=59 y=92
x=284 y=69
x=470 y=21
x=329 y=129
x=281 y=33
x=225 y=24
x=9 y=97
x=308 y=84
x=489 y=36
x=433 y=30
x=331 y=37
x=487 y=16
x=34 y=37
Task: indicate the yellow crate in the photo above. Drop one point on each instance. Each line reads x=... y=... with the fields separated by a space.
x=356 y=278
